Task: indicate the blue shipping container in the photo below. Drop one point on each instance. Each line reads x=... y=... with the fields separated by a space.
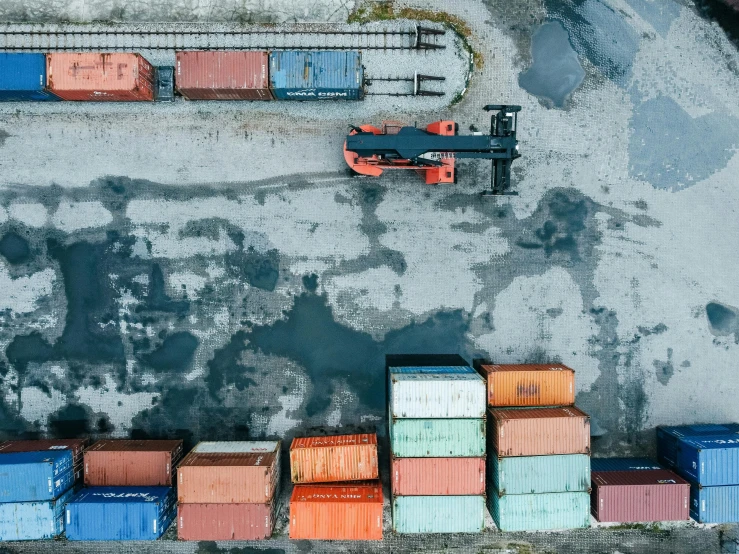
x=538 y=512
x=538 y=474
x=120 y=513
x=433 y=369
x=32 y=476
x=668 y=438
x=27 y=521
x=323 y=75
x=23 y=78
x=623 y=464
x=438 y=514
x=714 y=504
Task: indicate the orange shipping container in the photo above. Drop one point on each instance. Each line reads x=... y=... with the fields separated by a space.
x=529 y=384
x=142 y=463
x=438 y=476
x=336 y=512
x=99 y=77
x=539 y=431
x=333 y=458
x=228 y=478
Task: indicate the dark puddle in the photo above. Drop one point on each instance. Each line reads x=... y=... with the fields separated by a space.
x=14 y=248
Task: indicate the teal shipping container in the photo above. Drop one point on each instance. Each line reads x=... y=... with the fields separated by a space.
x=438 y=514
x=539 y=474
x=437 y=438
x=538 y=512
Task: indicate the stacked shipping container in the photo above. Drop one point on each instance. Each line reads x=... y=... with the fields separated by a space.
x=228 y=491
x=325 y=503
x=437 y=438
x=538 y=455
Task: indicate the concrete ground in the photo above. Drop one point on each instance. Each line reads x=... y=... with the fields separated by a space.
x=211 y=271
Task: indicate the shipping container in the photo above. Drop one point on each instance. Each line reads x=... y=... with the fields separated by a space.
x=142 y=463
x=438 y=514
x=120 y=513
x=27 y=521
x=539 y=431
x=33 y=476
x=668 y=437
x=438 y=476
x=528 y=384
x=539 y=474
x=437 y=395
x=238 y=447
x=642 y=495
x=224 y=75
x=99 y=77
x=316 y=75
x=225 y=522
x=714 y=504
x=709 y=461
x=437 y=438
x=431 y=369
x=336 y=512
x=333 y=458
x=77 y=446
x=23 y=78
x=223 y=478
x=623 y=464
x=539 y=512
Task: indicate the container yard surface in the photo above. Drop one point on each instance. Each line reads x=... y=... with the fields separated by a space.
x=204 y=75
x=334 y=458
x=32 y=476
x=24 y=521
x=23 y=78
x=437 y=438
x=143 y=463
x=539 y=474
x=225 y=522
x=437 y=476
x=322 y=75
x=528 y=384
x=438 y=514
x=119 y=513
x=437 y=395
x=539 y=512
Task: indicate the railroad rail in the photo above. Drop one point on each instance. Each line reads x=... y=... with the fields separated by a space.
x=45 y=38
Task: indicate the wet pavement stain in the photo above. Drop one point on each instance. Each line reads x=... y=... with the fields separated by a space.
x=664 y=368
x=3 y=136
x=174 y=354
x=723 y=319
x=14 y=248
x=225 y=368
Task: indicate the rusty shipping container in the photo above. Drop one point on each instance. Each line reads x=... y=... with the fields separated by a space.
x=511 y=385
x=347 y=512
x=100 y=77
x=334 y=458
x=77 y=446
x=539 y=431
x=225 y=522
x=227 y=478
x=633 y=496
x=143 y=463
x=438 y=476
x=211 y=75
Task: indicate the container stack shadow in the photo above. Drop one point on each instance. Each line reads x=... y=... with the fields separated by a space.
x=538 y=448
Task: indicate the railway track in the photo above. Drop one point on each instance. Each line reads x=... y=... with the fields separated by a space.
x=46 y=38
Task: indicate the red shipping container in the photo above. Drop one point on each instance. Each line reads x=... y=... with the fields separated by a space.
x=438 y=476
x=644 y=495
x=99 y=77
x=539 y=431
x=210 y=75
x=142 y=463
x=77 y=447
x=336 y=512
x=223 y=478
x=225 y=522
x=334 y=458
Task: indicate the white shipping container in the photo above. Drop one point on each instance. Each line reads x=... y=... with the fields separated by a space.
x=437 y=395
x=237 y=447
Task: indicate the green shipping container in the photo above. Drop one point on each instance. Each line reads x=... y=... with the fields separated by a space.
x=437 y=438
x=537 y=512
x=438 y=514
x=539 y=474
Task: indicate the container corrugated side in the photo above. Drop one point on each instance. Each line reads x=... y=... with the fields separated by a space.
x=120 y=513
x=336 y=512
x=539 y=431
x=77 y=447
x=33 y=476
x=438 y=476
x=714 y=504
x=623 y=464
x=334 y=458
x=668 y=437
x=710 y=461
x=437 y=395
x=538 y=512
x=437 y=438
x=23 y=78
x=316 y=75
x=223 y=75
x=438 y=514
x=529 y=384
x=539 y=474
x=225 y=522
x=140 y=463
x=25 y=521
